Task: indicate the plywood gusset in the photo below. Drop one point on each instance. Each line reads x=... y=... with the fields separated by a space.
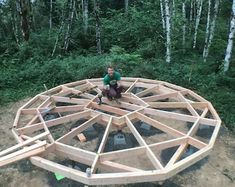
x=143 y=100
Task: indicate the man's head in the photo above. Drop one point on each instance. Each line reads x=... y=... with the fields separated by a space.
x=110 y=70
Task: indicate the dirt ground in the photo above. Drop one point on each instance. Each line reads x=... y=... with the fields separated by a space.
x=216 y=170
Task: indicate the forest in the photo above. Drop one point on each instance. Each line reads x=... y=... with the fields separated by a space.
x=184 y=42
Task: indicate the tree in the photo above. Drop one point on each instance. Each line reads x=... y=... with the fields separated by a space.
x=211 y=30
x=168 y=32
x=198 y=18
x=69 y=24
x=97 y=25
x=230 y=40
x=85 y=14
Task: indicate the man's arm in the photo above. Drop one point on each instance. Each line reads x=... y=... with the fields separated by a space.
x=118 y=78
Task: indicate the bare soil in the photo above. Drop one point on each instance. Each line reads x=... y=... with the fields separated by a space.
x=216 y=170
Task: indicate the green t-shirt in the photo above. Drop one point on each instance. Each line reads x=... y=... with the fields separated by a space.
x=112 y=80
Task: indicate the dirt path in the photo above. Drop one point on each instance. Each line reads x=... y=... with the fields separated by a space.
x=216 y=170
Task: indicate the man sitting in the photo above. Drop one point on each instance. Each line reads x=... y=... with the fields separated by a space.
x=112 y=85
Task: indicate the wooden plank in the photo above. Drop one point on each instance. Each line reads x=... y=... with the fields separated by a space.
x=168 y=143
x=22 y=144
x=54 y=122
x=29 y=111
x=188 y=161
x=108 y=108
x=131 y=86
x=116 y=167
x=70 y=100
x=71 y=108
x=81 y=155
x=101 y=146
x=24 y=153
x=177 y=116
x=122 y=153
x=159 y=97
x=189 y=106
x=148 y=90
x=60 y=169
x=141 y=141
x=176 y=155
x=168 y=104
x=160 y=126
x=69 y=136
x=16 y=121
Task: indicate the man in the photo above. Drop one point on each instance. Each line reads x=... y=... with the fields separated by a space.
x=112 y=85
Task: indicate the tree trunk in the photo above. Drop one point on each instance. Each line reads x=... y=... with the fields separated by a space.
x=191 y=11
x=69 y=24
x=168 y=32
x=230 y=40
x=50 y=19
x=126 y=5
x=207 y=30
x=184 y=25
x=14 y=23
x=212 y=29
x=162 y=15
x=23 y=9
x=198 y=17
x=85 y=15
x=97 y=26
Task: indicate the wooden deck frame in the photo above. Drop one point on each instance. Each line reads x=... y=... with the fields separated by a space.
x=132 y=107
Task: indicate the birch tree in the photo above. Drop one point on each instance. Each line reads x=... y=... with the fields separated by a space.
x=69 y=24
x=198 y=17
x=184 y=24
x=50 y=18
x=97 y=26
x=212 y=31
x=207 y=29
x=162 y=15
x=85 y=14
x=126 y=5
x=230 y=40
x=168 y=32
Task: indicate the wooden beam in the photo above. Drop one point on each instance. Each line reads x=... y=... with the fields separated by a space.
x=108 y=108
x=24 y=153
x=177 y=116
x=131 y=86
x=54 y=122
x=69 y=136
x=116 y=167
x=22 y=144
x=141 y=141
x=74 y=153
x=160 y=125
x=148 y=90
x=101 y=146
x=60 y=169
x=159 y=97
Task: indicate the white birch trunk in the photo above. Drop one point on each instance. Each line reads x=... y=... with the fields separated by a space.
x=162 y=15
x=230 y=40
x=168 y=32
x=207 y=30
x=198 y=17
x=191 y=11
x=85 y=15
x=69 y=25
x=212 y=29
x=97 y=18
x=184 y=25
x=126 y=5
x=50 y=19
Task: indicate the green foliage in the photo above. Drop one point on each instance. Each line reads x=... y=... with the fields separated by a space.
x=134 y=42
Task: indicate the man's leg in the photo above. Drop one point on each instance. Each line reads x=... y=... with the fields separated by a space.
x=119 y=90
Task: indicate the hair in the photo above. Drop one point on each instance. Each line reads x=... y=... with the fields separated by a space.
x=110 y=66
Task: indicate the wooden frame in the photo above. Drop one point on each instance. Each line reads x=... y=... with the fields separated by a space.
x=156 y=99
